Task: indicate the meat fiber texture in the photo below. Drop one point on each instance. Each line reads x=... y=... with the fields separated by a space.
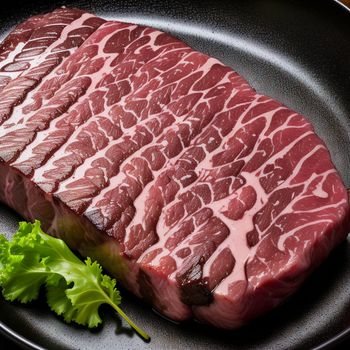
x=203 y=197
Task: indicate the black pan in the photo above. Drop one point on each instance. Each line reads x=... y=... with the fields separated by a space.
x=295 y=51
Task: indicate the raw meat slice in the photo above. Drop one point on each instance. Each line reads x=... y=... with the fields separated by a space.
x=106 y=94
x=202 y=196
x=14 y=42
x=58 y=35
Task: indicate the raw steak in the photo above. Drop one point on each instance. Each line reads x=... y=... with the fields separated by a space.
x=203 y=197
x=55 y=37
x=14 y=43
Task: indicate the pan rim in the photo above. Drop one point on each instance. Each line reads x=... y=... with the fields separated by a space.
x=19 y=339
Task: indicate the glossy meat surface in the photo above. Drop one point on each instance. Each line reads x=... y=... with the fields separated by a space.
x=203 y=197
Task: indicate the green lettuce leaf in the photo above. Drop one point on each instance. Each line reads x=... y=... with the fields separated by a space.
x=74 y=289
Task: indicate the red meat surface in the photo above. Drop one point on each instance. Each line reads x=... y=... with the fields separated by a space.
x=203 y=197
